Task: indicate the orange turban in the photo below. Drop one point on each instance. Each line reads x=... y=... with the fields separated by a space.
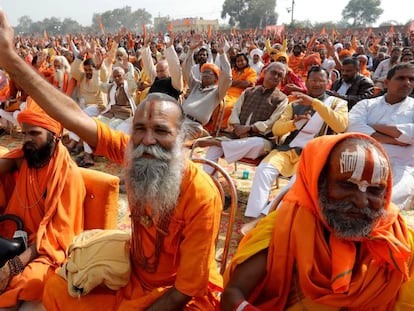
x=35 y=115
x=313 y=59
x=211 y=67
x=345 y=53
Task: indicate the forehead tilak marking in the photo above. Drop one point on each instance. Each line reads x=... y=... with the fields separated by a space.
x=362 y=174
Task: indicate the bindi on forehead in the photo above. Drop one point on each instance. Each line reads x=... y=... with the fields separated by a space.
x=367 y=165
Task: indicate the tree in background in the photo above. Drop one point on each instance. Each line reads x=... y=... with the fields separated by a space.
x=250 y=13
x=125 y=17
x=362 y=12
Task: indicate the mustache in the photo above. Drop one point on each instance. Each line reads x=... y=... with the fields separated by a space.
x=156 y=151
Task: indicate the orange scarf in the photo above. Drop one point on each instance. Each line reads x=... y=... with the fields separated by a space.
x=333 y=272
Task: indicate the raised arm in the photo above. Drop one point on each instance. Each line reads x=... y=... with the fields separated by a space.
x=55 y=103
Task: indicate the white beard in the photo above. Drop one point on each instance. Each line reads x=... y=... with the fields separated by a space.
x=155 y=182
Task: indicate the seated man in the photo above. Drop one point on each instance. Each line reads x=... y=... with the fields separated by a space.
x=336 y=242
x=207 y=93
x=303 y=119
x=352 y=86
x=174 y=231
x=48 y=196
x=390 y=120
x=251 y=120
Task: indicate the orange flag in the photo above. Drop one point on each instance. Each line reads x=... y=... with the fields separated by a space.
x=45 y=34
x=209 y=32
x=187 y=23
x=323 y=31
x=169 y=27
x=144 y=30
x=100 y=24
x=392 y=30
x=131 y=42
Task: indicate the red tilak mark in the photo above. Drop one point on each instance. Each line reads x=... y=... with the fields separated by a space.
x=151 y=110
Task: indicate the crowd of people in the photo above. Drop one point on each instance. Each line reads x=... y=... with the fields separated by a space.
x=334 y=113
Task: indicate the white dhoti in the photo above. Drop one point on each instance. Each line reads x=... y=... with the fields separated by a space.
x=235 y=149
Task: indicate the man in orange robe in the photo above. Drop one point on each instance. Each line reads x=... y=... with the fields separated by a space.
x=171 y=255
x=175 y=207
x=336 y=242
x=48 y=196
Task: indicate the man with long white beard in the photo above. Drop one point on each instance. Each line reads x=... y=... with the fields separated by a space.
x=175 y=207
x=335 y=243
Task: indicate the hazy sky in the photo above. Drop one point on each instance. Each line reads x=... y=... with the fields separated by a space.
x=82 y=10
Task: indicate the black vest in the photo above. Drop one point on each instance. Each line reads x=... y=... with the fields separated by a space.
x=164 y=85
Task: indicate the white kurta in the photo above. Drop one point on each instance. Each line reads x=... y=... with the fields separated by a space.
x=377 y=111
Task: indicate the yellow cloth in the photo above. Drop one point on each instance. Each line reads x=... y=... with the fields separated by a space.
x=97 y=257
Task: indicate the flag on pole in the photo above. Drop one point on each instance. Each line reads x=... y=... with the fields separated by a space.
x=209 y=32
x=392 y=30
x=187 y=22
x=323 y=31
x=144 y=30
x=100 y=24
x=169 y=28
x=45 y=34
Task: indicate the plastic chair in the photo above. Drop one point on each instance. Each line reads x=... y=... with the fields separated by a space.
x=219 y=173
x=101 y=200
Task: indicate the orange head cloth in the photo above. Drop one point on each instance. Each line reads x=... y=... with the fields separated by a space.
x=345 y=53
x=35 y=115
x=313 y=59
x=212 y=67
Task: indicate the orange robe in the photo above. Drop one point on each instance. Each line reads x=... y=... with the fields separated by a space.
x=49 y=200
x=187 y=256
x=234 y=92
x=296 y=64
x=305 y=260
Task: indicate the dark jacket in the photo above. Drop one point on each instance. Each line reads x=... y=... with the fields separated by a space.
x=361 y=88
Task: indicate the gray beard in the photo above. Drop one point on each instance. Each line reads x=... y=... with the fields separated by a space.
x=155 y=182
x=343 y=224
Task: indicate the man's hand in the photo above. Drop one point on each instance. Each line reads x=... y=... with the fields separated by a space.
x=242 y=130
x=6 y=39
x=173 y=299
x=4 y=277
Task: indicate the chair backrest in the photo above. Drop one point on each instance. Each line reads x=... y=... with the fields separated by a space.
x=219 y=175
x=101 y=201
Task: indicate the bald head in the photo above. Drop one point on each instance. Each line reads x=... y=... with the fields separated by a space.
x=162 y=69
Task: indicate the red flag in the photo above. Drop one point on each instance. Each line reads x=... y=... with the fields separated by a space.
x=209 y=32
x=144 y=30
x=131 y=42
x=100 y=24
x=169 y=27
x=392 y=30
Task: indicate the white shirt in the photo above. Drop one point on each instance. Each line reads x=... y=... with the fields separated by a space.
x=378 y=111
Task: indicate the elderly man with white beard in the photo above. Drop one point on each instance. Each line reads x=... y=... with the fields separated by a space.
x=175 y=207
